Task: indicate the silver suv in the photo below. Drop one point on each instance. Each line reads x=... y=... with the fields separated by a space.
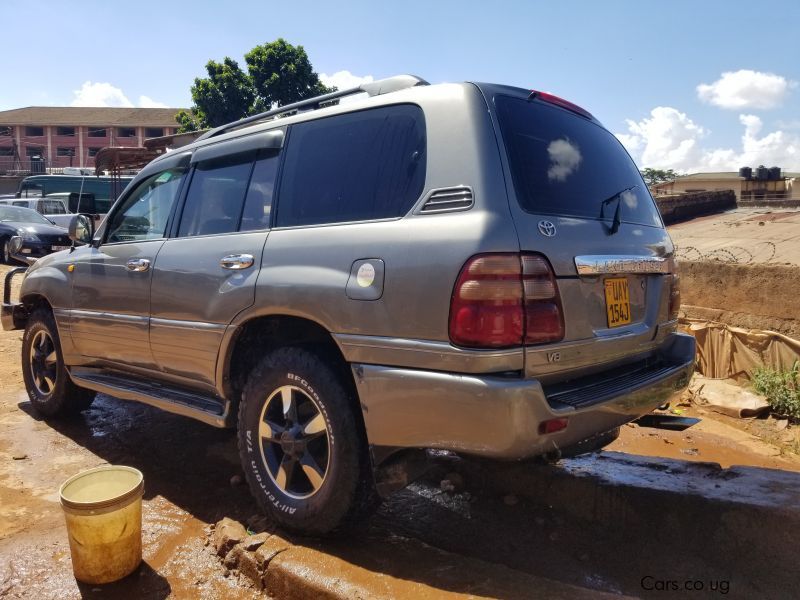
x=353 y=278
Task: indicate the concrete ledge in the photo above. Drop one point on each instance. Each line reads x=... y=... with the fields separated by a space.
x=724 y=514
x=787 y=203
x=377 y=569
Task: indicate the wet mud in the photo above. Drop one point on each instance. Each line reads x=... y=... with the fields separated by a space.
x=188 y=469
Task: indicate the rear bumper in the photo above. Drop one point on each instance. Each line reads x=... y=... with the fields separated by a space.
x=12 y=315
x=499 y=417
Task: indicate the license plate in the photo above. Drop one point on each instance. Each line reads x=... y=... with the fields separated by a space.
x=57 y=248
x=618 y=302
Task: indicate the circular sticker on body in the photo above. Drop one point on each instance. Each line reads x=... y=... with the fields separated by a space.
x=365 y=275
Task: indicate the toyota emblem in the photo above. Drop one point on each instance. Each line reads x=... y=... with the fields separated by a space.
x=547 y=229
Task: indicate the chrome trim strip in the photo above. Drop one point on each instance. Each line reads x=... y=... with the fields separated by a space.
x=387 y=343
x=621 y=263
x=96 y=314
x=178 y=324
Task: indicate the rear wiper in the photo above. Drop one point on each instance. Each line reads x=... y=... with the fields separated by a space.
x=617 y=220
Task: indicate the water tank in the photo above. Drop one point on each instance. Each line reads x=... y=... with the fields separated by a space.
x=762 y=172
x=37 y=165
x=774 y=173
x=746 y=172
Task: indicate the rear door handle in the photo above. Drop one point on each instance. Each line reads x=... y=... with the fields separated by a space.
x=237 y=262
x=138 y=265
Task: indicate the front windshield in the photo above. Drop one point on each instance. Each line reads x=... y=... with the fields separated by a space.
x=16 y=214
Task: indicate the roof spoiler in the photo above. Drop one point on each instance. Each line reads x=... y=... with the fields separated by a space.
x=373 y=88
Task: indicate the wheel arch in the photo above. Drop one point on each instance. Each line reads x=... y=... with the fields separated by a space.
x=35 y=300
x=257 y=336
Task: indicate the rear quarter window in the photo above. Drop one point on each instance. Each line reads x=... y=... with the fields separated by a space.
x=563 y=164
x=353 y=167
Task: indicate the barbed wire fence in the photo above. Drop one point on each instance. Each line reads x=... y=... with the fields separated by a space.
x=762 y=252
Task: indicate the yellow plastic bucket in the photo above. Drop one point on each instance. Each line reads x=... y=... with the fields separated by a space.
x=103 y=509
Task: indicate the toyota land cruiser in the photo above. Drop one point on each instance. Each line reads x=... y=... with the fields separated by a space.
x=469 y=267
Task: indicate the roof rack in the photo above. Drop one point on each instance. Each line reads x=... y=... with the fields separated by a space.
x=373 y=88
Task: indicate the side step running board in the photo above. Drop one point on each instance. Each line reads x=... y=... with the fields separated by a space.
x=203 y=407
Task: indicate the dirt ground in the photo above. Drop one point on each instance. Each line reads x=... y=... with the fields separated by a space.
x=743 y=236
x=740 y=267
x=188 y=469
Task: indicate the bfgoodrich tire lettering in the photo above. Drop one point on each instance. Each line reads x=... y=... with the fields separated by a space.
x=51 y=391
x=301 y=446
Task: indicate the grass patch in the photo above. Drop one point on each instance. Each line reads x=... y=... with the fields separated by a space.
x=781 y=388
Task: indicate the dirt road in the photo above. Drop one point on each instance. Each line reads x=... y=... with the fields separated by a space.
x=188 y=469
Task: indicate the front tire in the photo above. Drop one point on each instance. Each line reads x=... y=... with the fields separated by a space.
x=6 y=256
x=301 y=446
x=50 y=389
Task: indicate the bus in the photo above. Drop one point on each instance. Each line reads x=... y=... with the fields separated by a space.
x=96 y=193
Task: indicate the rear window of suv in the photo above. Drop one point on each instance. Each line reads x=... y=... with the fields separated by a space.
x=562 y=164
x=353 y=167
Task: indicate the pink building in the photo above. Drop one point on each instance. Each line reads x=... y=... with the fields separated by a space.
x=71 y=135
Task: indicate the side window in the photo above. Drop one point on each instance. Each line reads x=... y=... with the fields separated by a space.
x=32 y=190
x=144 y=213
x=353 y=167
x=216 y=194
x=52 y=207
x=258 y=203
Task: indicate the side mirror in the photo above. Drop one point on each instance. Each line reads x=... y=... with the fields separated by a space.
x=81 y=229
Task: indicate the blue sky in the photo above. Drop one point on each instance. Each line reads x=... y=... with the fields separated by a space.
x=636 y=65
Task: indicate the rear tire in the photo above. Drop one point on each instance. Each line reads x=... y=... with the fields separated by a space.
x=50 y=389
x=301 y=446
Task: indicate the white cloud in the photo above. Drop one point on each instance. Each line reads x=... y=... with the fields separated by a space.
x=746 y=89
x=105 y=94
x=100 y=94
x=565 y=157
x=669 y=139
x=344 y=80
x=777 y=148
x=147 y=102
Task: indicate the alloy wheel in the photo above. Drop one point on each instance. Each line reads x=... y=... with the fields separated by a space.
x=43 y=363
x=293 y=439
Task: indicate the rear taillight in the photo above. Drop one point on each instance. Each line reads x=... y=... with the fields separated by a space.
x=551 y=99
x=553 y=425
x=674 y=296
x=503 y=299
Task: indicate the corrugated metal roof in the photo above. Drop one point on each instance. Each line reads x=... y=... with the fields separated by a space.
x=92 y=116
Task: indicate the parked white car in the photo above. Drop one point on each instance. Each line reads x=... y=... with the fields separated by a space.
x=54 y=209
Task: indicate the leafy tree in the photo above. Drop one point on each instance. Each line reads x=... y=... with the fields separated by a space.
x=188 y=121
x=225 y=95
x=282 y=74
x=278 y=74
x=654 y=176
